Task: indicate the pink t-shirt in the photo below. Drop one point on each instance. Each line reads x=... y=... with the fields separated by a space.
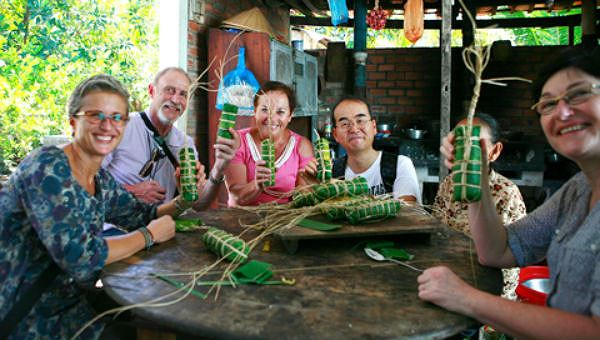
x=287 y=166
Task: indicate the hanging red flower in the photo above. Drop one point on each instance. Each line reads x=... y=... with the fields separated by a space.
x=377 y=17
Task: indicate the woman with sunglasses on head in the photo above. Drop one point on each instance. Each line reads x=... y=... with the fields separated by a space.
x=295 y=164
x=51 y=217
x=565 y=230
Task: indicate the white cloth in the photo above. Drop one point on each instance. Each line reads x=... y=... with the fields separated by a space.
x=405 y=184
x=135 y=149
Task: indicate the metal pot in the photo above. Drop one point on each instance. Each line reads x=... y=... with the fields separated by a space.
x=384 y=128
x=415 y=133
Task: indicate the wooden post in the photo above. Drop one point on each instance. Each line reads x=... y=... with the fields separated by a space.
x=360 y=47
x=589 y=38
x=446 y=77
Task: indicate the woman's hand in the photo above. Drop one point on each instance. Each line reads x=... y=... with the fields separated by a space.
x=310 y=168
x=262 y=174
x=447 y=150
x=441 y=286
x=162 y=229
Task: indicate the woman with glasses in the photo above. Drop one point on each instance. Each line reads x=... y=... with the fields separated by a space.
x=246 y=175
x=565 y=230
x=51 y=217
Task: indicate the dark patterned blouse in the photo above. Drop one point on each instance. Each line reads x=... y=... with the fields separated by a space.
x=46 y=216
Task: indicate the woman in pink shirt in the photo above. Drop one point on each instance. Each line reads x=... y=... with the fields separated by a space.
x=294 y=160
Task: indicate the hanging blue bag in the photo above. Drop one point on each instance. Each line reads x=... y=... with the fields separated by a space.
x=339 y=11
x=239 y=86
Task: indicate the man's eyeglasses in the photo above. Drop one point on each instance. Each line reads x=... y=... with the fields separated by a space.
x=345 y=124
x=96 y=117
x=574 y=96
x=146 y=170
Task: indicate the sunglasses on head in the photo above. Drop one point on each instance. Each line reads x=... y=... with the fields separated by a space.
x=156 y=155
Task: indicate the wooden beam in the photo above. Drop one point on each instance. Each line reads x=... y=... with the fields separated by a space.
x=571 y=20
x=296 y=5
x=445 y=77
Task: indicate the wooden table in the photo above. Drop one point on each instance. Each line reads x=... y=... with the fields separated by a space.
x=339 y=292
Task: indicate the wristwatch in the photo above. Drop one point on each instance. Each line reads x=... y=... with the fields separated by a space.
x=216 y=180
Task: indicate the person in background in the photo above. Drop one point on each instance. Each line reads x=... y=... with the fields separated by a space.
x=51 y=217
x=146 y=160
x=506 y=195
x=564 y=230
x=354 y=129
x=295 y=163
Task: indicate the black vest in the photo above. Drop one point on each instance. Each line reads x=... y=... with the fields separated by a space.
x=388 y=172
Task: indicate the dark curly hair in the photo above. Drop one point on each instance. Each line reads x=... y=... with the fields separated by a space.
x=579 y=57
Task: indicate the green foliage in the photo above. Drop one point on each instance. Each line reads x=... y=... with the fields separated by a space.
x=48 y=46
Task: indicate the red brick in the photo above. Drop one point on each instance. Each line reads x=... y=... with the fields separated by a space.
x=395 y=75
x=386 y=84
x=386 y=67
x=396 y=92
x=371 y=68
x=376 y=59
x=387 y=100
x=404 y=84
x=414 y=75
x=414 y=93
x=377 y=92
x=376 y=76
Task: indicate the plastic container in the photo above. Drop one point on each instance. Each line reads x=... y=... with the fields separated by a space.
x=534 y=285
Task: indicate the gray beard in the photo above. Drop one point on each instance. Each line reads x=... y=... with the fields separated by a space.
x=163 y=119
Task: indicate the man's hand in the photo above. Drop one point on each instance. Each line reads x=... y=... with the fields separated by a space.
x=200 y=178
x=225 y=149
x=148 y=191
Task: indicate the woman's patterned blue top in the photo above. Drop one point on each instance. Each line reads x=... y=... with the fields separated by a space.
x=45 y=216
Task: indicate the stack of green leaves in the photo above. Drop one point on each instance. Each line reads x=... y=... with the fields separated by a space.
x=323 y=156
x=188 y=171
x=227 y=120
x=466 y=172
x=372 y=210
x=268 y=155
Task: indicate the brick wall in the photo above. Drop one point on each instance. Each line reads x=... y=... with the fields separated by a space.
x=210 y=13
x=403 y=86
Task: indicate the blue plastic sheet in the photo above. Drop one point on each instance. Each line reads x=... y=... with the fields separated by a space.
x=339 y=11
x=239 y=86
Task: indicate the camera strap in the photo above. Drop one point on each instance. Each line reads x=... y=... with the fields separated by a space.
x=159 y=140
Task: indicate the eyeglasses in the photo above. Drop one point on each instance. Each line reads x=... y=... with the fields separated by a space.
x=156 y=155
x=574 y=96
x=96 y=117
x=360 y=122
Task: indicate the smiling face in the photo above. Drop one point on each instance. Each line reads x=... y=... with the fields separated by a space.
x=277 y=103
x=169 y=96
x=354 y=127
x=572 y=130
x=101 y=138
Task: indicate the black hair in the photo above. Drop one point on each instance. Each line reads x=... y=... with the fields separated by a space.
x=491 y=123
x=351 y=98
x=584 y=59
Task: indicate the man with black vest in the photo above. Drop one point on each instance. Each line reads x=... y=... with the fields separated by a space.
x=146 y=159
x=354 y=129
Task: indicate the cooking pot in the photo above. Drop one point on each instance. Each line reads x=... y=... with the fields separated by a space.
x=384 y=128
x=415 y=133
